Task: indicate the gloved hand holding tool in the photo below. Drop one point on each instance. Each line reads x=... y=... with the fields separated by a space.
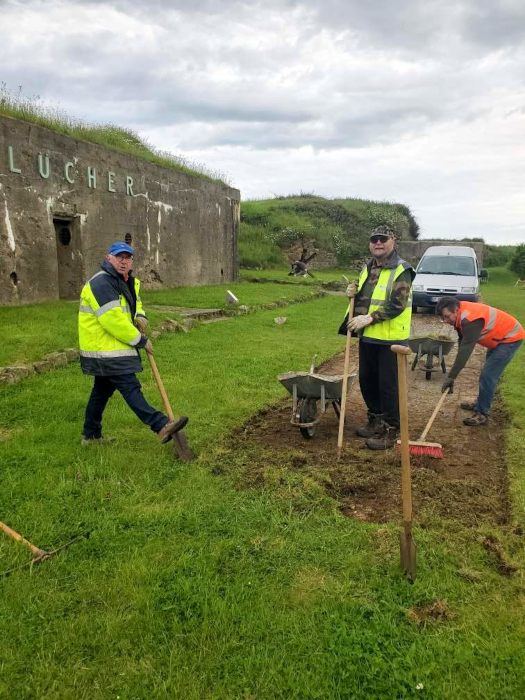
x=359 y=322
x=141 y=323
x=351 y=290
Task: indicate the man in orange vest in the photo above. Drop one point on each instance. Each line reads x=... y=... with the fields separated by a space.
x=493 y=328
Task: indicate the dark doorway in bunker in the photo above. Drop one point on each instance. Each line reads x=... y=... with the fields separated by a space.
x=70 y=275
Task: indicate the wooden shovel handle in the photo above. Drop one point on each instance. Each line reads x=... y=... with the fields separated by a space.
x=406 y=481
x=346 y=372
x=160 y=385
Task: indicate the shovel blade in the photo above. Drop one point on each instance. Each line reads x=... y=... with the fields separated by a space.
x=408 y=554
x=181 y=448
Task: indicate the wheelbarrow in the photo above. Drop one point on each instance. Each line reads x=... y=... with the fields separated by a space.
x=309 y=388
x=432 y=347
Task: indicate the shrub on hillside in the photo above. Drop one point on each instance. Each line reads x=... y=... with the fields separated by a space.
x=517 y=264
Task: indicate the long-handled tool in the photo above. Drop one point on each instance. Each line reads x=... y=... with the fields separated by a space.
x=346 y=373
x=406 y=541
x=180 y=444
x=39 y=555
x=431 y=449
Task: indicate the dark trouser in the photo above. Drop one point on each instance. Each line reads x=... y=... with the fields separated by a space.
x=129 y=387
x=378 y=381
x=495 y=362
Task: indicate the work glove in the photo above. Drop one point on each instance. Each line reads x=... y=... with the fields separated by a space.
x=145 y=344
x=351 y=290
x=359 y=322
x=141 y=323
x=448 y=385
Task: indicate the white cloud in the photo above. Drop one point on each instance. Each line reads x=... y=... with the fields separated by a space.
x=418 y=102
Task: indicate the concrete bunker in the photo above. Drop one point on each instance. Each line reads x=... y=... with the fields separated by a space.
x=63 y=201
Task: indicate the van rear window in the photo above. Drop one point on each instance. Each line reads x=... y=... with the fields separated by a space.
x=446 y=265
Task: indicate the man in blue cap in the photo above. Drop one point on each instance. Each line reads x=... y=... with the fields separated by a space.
x=111 y=325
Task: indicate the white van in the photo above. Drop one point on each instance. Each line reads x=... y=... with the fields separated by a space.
x=446 y=271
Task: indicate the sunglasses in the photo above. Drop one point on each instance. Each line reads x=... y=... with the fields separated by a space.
x=379 y=239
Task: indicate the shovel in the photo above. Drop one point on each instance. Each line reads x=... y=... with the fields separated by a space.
x=346 y=372
x=406 y=541
x=180 y=444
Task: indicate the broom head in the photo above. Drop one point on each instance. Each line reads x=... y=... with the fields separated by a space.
x=425 y=449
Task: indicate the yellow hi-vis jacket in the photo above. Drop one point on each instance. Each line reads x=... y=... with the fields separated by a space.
x=392 y=330
x=108 y=339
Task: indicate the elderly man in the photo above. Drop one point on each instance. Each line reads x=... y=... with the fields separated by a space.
x=111 y=322
x=382 y=315
x=492 y=328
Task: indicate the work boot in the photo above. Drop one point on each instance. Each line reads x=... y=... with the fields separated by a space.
x=468 y=405
x=168 y=431
x=373 y=427
x=476 y=419
x=385 y=439
x=96 y=440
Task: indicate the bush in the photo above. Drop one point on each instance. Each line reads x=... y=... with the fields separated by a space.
x=517 y=264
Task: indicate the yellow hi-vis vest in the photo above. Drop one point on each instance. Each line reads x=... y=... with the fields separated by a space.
x=107 y=336
x=395 y=329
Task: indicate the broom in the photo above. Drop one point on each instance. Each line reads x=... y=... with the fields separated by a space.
x=420 y=448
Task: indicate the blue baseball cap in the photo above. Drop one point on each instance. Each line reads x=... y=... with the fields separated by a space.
x=120 y=247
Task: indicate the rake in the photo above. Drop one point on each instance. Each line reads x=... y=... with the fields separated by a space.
x=39 y=555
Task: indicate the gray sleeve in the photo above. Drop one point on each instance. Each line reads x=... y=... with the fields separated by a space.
x=469 y=336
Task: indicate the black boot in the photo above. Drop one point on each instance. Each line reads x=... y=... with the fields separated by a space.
x=373 y=427
x=385 y=440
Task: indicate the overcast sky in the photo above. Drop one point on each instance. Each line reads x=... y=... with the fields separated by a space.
x=415 y=102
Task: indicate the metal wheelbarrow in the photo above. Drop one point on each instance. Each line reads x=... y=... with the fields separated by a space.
x=309 y=388
x=432 y=347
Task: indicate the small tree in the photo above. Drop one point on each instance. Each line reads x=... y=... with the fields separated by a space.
x=517 y=264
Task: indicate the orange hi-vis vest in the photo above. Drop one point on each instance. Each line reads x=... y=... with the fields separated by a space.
x=498 y=326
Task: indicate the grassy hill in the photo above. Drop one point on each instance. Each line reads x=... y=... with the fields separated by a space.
x=338 y=227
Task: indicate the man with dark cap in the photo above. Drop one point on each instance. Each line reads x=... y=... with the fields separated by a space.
x=382 y=315
x=111 y=323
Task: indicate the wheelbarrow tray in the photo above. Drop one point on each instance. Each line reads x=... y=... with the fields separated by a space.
x=309 y=385
x=430 y=346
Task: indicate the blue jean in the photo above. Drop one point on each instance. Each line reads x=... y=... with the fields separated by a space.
x=495 y=362
x=129 y=387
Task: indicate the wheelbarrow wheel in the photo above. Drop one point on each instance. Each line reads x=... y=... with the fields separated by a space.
x=307 y=414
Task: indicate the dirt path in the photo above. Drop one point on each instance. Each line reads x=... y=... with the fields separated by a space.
x=469 y=484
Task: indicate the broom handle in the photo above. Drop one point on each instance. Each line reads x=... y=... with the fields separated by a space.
x=16 y=536
x=345 y=381
x=160 y=385
x=406 y=484
x=433 y=416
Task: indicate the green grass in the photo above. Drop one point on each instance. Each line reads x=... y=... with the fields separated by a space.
x=190 y=586
x=338 y=226
x=281 y=275
x=34 y=330
x=501 y=292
